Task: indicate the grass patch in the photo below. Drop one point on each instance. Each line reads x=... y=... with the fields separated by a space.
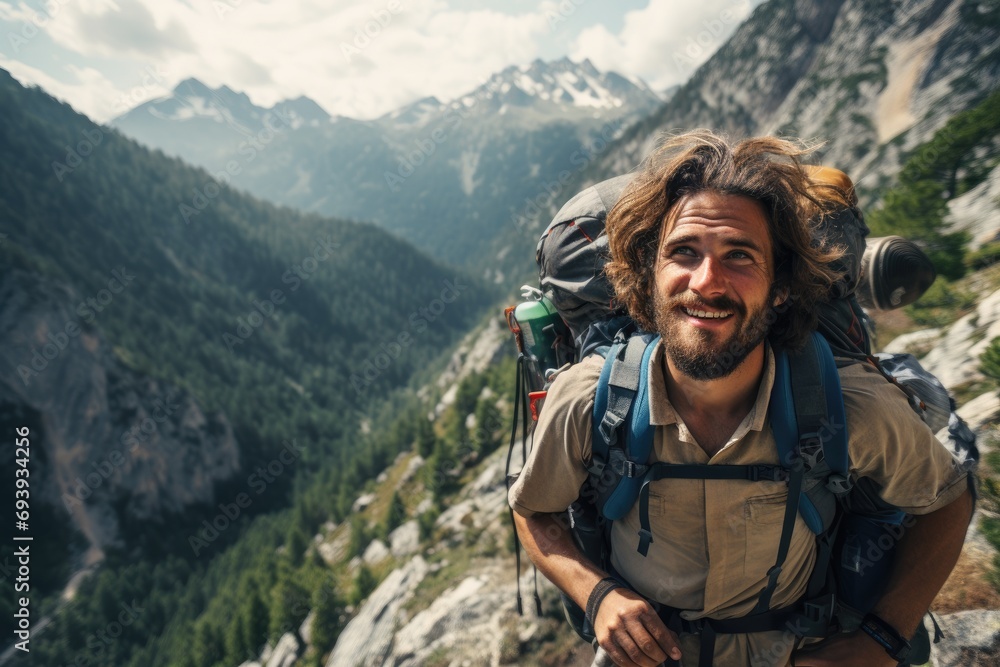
x=460 y=561
x=942 y=304
x=989 y=502
x=967 y=391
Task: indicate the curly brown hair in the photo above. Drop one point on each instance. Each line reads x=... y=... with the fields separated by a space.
x=765 y=169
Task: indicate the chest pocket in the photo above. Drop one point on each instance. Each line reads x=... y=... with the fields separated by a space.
x=766 y=510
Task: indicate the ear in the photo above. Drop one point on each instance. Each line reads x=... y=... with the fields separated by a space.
x=781 y=297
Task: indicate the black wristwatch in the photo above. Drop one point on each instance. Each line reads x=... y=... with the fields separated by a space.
x=894 y=643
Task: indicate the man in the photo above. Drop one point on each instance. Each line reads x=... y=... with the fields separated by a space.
x=706 y=245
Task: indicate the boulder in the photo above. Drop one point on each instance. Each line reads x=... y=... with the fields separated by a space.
x=972 y=639
x=368 y=638
x=405 y=540
x=375 y=553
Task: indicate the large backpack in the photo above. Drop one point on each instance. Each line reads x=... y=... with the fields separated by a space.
x=806 y=412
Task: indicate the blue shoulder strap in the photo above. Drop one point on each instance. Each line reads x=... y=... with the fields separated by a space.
x=808 y=419
x=622 y=397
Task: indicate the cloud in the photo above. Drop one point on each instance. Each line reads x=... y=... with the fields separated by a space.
x=665 y=42
x=87 y=90
x=130 y=28
x=358 y=58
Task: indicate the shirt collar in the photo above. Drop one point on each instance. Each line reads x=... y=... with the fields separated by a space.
x=662 y=413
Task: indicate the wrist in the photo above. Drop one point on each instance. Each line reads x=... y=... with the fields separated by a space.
x=597 y=595
x=886 y=636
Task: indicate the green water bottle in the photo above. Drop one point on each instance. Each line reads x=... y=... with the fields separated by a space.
x=544 y=336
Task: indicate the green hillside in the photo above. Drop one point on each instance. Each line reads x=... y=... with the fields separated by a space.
x=294 y=326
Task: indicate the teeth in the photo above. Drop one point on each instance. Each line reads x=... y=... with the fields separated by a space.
x=706 y=314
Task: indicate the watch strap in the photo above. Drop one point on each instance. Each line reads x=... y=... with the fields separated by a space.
x=887 y=636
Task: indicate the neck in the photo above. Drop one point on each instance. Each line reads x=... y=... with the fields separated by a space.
x=733 y=395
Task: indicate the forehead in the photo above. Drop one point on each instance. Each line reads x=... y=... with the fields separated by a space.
x=715 y=213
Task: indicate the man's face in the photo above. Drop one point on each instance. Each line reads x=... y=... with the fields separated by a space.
x=713 y=283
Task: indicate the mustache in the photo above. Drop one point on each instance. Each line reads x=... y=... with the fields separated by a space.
x=697 y=303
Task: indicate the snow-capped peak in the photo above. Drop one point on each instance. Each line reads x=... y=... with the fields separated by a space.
x=562 y=83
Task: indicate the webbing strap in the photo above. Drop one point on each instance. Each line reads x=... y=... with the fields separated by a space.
x=709 y=628
x=809 y=397
x=706 y=648
x=623 y=384
x=660 y=470
x=519 y=397
x=791 y=511
x=520 y=409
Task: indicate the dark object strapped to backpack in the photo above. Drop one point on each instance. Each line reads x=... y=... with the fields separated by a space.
x=571 y=316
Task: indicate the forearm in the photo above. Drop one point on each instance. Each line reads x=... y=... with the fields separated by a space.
x=925 y=556
x=625 y=624
x=550 y=546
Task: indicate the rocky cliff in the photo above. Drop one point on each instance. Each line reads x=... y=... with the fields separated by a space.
x=115 y=446
x=871 y=79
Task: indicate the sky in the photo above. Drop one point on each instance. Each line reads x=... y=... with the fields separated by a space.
x=356 y=58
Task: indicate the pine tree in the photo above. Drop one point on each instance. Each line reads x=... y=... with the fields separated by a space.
x=237 y=648
x=326 y=622
x=989 y=361
x=289 y=605
x=396 y=514
x=257 y=620
x=364 y=584
x=207 y=644
x=296 y=545
x=425 y=436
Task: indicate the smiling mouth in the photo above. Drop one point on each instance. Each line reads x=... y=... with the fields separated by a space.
x=704 y=314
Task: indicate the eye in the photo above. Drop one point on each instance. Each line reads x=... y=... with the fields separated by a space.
x=741 y=256
x=682 y=250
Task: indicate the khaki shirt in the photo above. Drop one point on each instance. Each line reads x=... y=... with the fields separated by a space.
x=714 y=540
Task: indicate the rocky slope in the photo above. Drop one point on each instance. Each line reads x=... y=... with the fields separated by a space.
x=872 y=80
x=112 y=447
x=450 y=598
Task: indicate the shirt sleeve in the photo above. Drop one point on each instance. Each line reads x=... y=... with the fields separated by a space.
x=894 y=448
x=556 y=467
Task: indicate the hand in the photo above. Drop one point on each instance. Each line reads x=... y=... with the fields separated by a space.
x=632 y=634
x=857 y=649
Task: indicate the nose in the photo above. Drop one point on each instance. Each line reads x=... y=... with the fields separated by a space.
x=707 y=278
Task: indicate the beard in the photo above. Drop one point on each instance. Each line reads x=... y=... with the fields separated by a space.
x=705 y=355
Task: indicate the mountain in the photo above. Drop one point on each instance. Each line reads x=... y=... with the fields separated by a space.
x=163 y=339
x=871 y=80
x=390 y=540
x=871 y=83
x=444 y=175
